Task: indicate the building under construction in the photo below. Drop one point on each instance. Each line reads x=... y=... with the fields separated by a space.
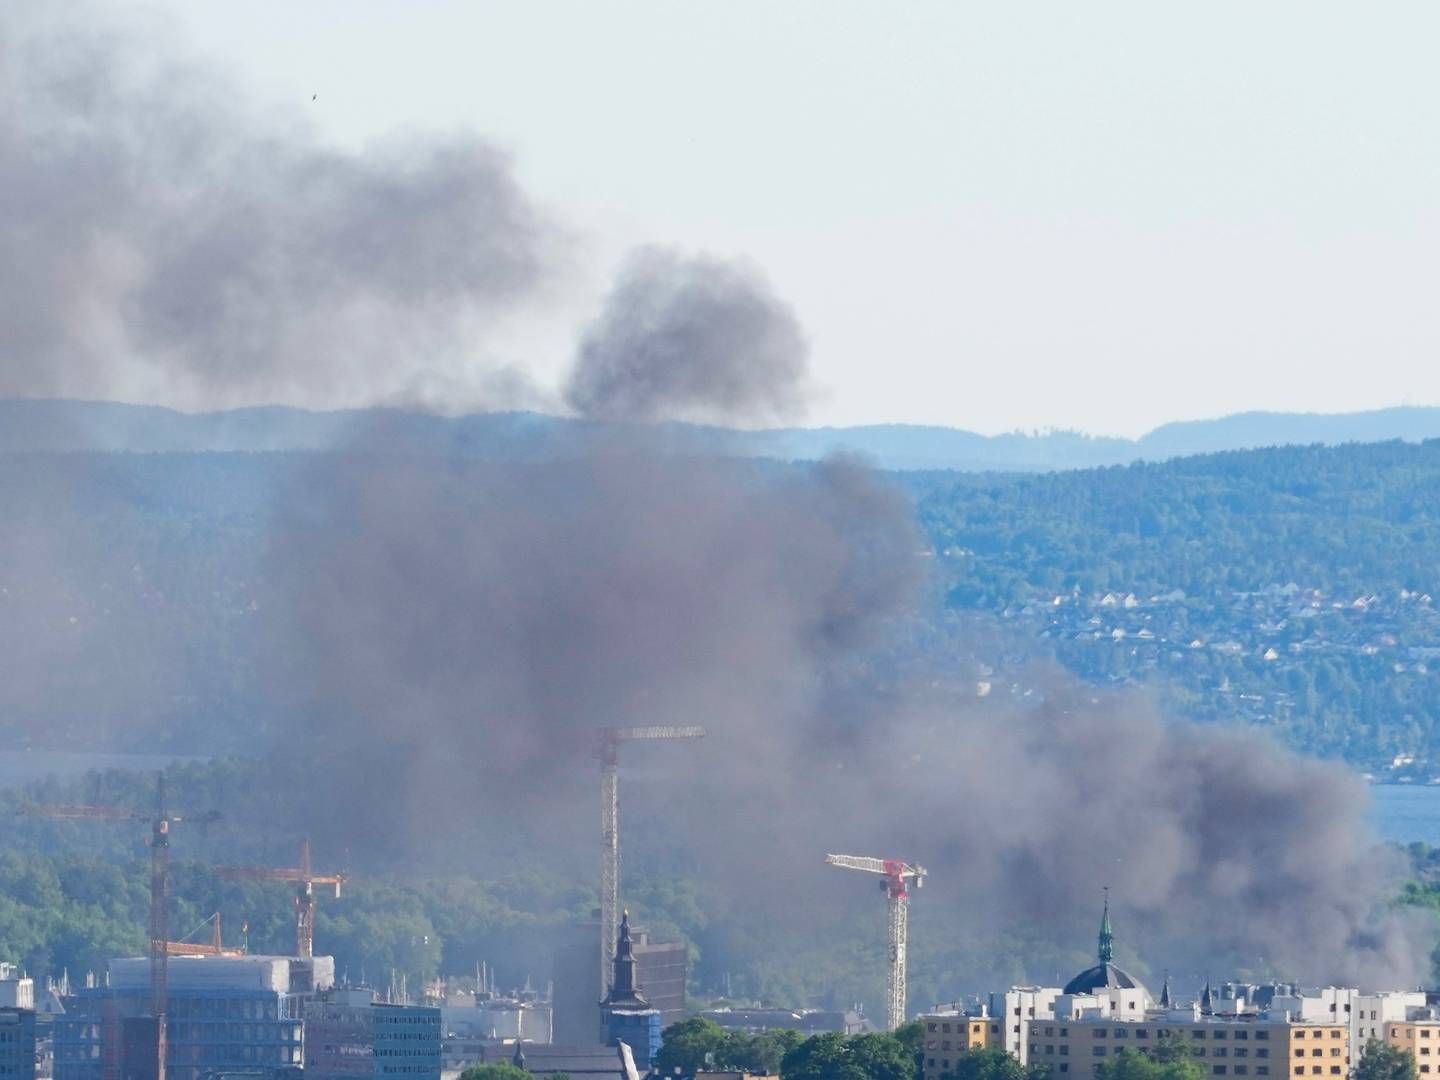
x=662 y=969
x=227 y=1014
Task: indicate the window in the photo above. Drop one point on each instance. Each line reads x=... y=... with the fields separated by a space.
x=1262 y=1035
x=1097 y=1051
x=1334 y=1033
x=1299 y=1034
x=1049 y=1031
x=1197 y=1034
x=994 y=1029
x=1065 y=1066
x=1064 y=1031
x=1218 y=1070
x=1099 y=1033
x=1424 y=1033
x=1064 y=1049
x=1335 y=1070
x=1241 y=1070
x=1262 y=1070
x=1262 y=1051
x=1316 y=1052
x=1242 y=1034
x=1242 y=1051
x=1049 y=1048
x=1315 y=1070
x=945 y=1027
x=1299 y=1052
x=1121 y=1033
x=1219 y=1051
x=1218 y=1035
x=1141 y=1033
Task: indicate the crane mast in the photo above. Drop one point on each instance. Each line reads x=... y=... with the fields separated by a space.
x=160 y=945
x=895 y=874
x=609 y=754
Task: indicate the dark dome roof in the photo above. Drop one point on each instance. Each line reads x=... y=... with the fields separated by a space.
x=1103 y=977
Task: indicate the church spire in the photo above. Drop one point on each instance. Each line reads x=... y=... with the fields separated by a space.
x=624 y=990
x=1165 y=992
x=1207 y=1002
x=1107 y=938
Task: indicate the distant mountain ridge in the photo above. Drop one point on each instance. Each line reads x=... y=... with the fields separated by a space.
x=35 y=425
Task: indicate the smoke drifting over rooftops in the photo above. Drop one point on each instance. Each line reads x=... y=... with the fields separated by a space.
x=461 y=627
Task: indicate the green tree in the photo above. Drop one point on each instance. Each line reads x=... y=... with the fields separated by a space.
x=1137 y=1065
x=1171 y=1048
x=990 y=1063
x=760 y=1053
x=687 y=1045
x=1381 y=1062
x=499 y=1070
x=833 y=1056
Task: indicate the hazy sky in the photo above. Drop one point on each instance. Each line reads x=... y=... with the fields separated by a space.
x=991 y=215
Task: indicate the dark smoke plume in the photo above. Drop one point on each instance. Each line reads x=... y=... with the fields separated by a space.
x=473 y=624
x=690 y=337
x=161 y=241
x=444 y=635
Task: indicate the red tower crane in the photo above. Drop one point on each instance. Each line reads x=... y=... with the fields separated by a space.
x=305 y=880
x=895 y=877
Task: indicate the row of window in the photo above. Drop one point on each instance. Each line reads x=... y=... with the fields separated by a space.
x=1217 y=1033
x=1317 y=1052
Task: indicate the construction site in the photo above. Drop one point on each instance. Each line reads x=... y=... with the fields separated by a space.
x=202 y=1008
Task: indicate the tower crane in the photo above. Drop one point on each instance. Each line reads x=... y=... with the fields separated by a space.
x=895 y=874
x=609 y=755
x=305 y=880
x=160 y=821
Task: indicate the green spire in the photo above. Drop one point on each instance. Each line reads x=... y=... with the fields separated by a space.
x=1107 y=938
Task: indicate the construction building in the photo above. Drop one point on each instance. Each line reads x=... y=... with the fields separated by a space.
x=17 y=991
x=349 y=1035
x=226 y=1014
x=663 y=968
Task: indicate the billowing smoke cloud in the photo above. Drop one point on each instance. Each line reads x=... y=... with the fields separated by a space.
x=161 y=241
x=1209 y=838
x=690 y=337
x=444 y=635
x=463 y=616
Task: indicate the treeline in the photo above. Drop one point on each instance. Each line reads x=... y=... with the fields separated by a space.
x=1347 y=519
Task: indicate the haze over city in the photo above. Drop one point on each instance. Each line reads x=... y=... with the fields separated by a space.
x=445 y=446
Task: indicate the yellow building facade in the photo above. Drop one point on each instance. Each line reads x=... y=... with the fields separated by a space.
x=1245 y=1048
x=949 y=1035
x=1420 y=1039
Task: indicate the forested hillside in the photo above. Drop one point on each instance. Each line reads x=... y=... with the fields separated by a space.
x=1289 y=587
